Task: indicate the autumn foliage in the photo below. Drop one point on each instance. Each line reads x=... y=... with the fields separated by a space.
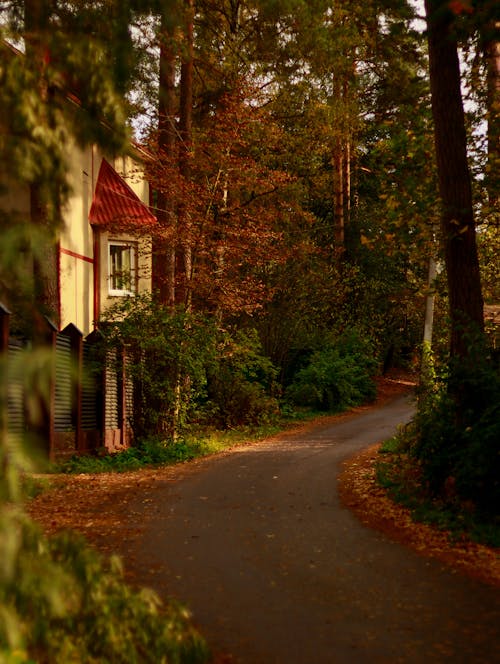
x=229 y=211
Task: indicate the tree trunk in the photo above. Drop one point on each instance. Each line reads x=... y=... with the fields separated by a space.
x=492 y=54
x=430 y=298
x=45 y=263
x=185 y=259
x=185 y=148
x=164 y=243
x=338 y=194
x=342 y=158
x=457 y=219
x=44 y=203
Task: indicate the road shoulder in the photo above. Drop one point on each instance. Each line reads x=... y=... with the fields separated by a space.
x=360 y=493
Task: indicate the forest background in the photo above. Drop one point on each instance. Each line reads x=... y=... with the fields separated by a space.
x=301 y=167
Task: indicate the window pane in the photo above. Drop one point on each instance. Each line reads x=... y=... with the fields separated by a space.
x=121 y=267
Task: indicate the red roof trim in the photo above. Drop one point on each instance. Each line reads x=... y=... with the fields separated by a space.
x=116 y=204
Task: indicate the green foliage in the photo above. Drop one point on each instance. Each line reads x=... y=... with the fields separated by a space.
x=458 y=451
x=241 y=382
x=488 y=240
x=337 y=376
x=401 y=475
x=184 y=370
x=167 y=354
x=60 y=602
x=147 y=452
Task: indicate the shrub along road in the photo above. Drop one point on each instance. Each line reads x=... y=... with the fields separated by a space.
x=276 y=571
x=274 y=568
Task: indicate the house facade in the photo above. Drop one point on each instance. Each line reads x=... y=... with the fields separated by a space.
x=103 y=255
x=105 y=245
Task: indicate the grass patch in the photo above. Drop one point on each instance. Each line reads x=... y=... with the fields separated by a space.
x=198 y=443
x=402 y=477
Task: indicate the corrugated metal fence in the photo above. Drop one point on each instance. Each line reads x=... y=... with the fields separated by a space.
x=81 y=403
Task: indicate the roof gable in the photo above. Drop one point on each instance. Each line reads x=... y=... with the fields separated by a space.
x=115 y=204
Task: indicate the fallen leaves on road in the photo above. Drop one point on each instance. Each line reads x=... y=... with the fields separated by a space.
x=100 y=506
x=361 y=494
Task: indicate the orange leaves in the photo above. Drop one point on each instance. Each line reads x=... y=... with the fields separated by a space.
x=233 y=202
x=461 y=7
x=360 y=492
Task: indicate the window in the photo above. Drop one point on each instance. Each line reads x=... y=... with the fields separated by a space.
x=122 y=268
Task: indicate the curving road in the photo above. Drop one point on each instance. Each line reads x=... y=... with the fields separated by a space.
x=276 y=571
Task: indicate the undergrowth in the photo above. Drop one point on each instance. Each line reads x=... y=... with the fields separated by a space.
x=156 y=451
x=402 y=476
x=444 y=465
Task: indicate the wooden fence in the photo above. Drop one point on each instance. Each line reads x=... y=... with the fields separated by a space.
x=86 y=403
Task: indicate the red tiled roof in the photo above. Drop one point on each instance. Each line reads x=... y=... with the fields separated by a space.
x=116 y=204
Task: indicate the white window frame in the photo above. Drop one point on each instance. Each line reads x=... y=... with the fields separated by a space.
x=132 y=247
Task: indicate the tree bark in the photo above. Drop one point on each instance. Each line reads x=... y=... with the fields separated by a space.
x=338 y=193
x=164 y=243
x=44 y=203
x=492 y=54
x=45 y=264
x=185 y=148
x=457 y=219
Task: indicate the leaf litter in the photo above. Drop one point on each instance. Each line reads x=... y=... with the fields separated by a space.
x=100 y=505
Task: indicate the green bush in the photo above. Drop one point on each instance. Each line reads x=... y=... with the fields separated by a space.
x=337 y=377
x=458 y=449
x=241 y=382
x=61 y=602
x=401 y=475
x=167 y=354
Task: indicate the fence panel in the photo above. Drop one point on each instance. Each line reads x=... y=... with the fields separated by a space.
x=91 y=400
x=90 y=389
x=63 y=407
x=16 y=411
x=129 y=395
x=112 y=382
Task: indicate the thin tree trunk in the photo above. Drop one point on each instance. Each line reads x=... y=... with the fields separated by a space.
x=492 y=54
x=342 y=166
x=164 y=243
x=45 y=262
x=430 y=298
x=347 y=178
x=44 y=204
x=338 y=194
x=427 y=362
x=185 y=148
x=457 y=219
x=185 y=260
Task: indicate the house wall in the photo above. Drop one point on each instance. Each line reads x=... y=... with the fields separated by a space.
x=76 y=255
x=83 y=249
x=83 y=255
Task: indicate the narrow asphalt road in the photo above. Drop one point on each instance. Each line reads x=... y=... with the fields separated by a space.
x=276 y=571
